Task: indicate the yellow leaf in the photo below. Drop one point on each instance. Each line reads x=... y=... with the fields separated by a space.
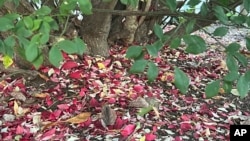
x=15 y=108
x=101 y=66
x=143 y=138
x=41 y=95
x=79 y=118
x=7 y=61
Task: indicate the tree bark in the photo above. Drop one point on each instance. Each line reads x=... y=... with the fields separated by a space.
x=95 y=29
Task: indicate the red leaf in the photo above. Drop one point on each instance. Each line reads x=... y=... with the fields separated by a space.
x=138 y=88
x=20 y=130
x=185 y=126
x=76 y=75
x=63 y=106
x=49 y=134
x=185 y=117
x=150 y=137
x=126 y=131
x=94 y=103
x=69 y=65
x=177 y=138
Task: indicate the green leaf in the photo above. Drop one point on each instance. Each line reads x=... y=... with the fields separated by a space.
x=231 y=76
x=212 y=89
x=190 y=26
x=232 y=48
x=138 y=66
x=220 y=31
x=242 y=86
x=246 y=4
x=44 y=38
x=67 y=46
x=125 y=2
x=239 y=19
x=66 y=7
x=241 y=58
x=193 y=3
x=38 y=62
x=28 y=22
x=43 y=11
x=55 y=56
x=158 y=31
x=204 y=9
x=152 y=72
x=22 y=31
x=9 y=42
x=227 y=86
x=220 y=14
x=175 y=43
x=195 y=44
x=85 y=6
x=181 y=80
x=37 y=24
x=133 y=3
x=6 y=24
x=44 y=28
x=232 y=65
x=2 y=3
x=31 y=52
x=152 y=50
x=144 y=111
x=248 y=43
x=80 y=45
x=134 y=51
x=171 y=4
x=158 y=45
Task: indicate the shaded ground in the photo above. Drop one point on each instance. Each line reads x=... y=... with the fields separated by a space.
x=38 y=109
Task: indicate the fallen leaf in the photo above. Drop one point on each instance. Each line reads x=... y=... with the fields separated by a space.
x=43 y=77
x=18 y=95
x=139 y=103
x=41 y=95
x=108 y=115
x=127 y=130
x=19 y=111
x=79 y=118
x=101 y=66
x=235 y=92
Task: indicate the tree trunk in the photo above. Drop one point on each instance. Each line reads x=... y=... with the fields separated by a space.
x=95 y=29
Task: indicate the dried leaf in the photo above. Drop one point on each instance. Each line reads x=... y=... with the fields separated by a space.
x=18 y=95
x=108 y=115
x=79 y=118
x=139 y=103
x=19 y=111
x=43 y=77
x=41 y=95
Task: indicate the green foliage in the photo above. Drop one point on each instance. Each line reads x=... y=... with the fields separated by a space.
x=212 y=89
x=181 y=80
x=138 y=66
x=175 y=43
x=133 y=52
x=195 y=44
x=130 y=2
x=171 y=4
x=243 y=86
x=220 y=31
x=152 y=71
x=220 y=14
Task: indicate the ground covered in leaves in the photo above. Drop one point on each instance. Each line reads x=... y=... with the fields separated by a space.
x=93 y=98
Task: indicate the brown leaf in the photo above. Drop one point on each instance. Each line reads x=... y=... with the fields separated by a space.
x=41 y=95
x=108 y=115
x=18 y=95
x=79 y=118
x=139 y=103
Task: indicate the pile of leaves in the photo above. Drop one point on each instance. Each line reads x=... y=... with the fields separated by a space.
x=95 y=98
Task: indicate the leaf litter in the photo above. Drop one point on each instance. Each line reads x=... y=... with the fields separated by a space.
x=94 y=98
